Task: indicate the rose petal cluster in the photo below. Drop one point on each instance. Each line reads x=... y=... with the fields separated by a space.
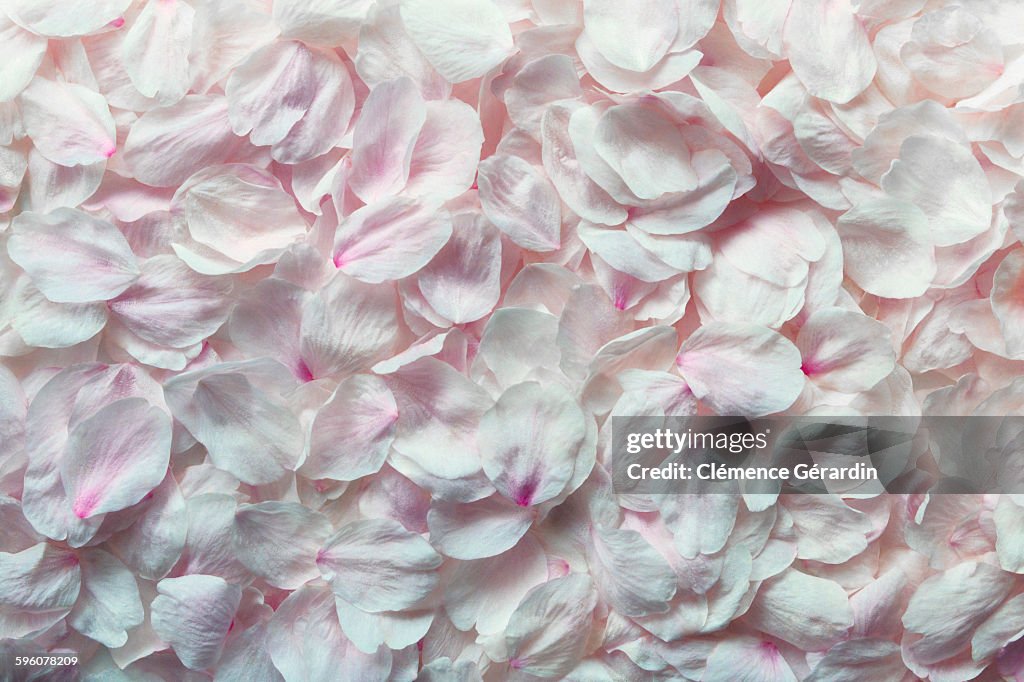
x=314 y=317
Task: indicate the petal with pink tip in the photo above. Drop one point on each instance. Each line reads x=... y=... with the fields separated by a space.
x=377 y=565
x=193 y=614
x=479 y=529
x=390 y=239
x=845 y=351
x=478 y=27
x=115 y=457
x=529 y=442
x=69 y=123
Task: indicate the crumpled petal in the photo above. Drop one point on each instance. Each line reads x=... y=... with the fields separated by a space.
x=108 y=604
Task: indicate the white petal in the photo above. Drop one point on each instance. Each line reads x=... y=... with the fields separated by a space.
x=38 y=587
x=156 y=50
x=68 y=123
x=278 y=541
x=946 y=182
x=476 y=26
x=152 y=544
x=27 y=52
x=377 y=565
x=546 y=634
x=829 y=49
x=634 y=578
x=108 y=604
x=463 y=281
x=887 y=248
x=95 y=262
x=322 y=22
x=634 y=36
x=1007 y=302
x=193 y=614
x=62 y=18
x=477 y=530
x=386 y=52
x=808 y=612
x=520 y=202
x=444 y=160
x=747 y=659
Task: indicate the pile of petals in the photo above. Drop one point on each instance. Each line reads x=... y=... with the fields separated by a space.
x=314 y=315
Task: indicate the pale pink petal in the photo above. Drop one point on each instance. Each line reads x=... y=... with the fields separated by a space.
x=307 y=644
x=69 y=124
x=444 y=159
x=861 y=659
x=156 y=50
x=629 y=573
x=517 y=343
x=377 y=565
x=38 y=587
x=45 y=324
x=672 y=68
x=621 y=250
x=347 y=327
x=808 y=612
x=267 y=323
x=947 y=183
x=52 y=186
x=829 y=49
x=390 y=239
x=551 y=78
x=529 y=442
x=392 y=629
x=386 y=52
x=634 y=36
x=209 y=549
x=153 y=543
x=827 y=530
x=740 y=369
x=240 y=212
x=645 y=149
x=352 y=433
x=278 y=541
x=507 y=577
x=235 y=421
x=476 y=26
x=193 y=615
x=384 y=138
x=115 y=457
x=521 y=202
x=479 y=529
x=887 y=248
x=585 y=197
x=168 y=144
x=462 y=282
x=108 y=604
x=547 y=633
x=966 y=594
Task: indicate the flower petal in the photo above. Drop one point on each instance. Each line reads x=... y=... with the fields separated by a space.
x=108 y=604
x=520 y=202
x=69 y=124
x=477 y=26
x=193 y=614
x=278 y=541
